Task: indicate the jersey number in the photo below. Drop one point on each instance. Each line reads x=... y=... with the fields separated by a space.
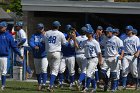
x=52 y=39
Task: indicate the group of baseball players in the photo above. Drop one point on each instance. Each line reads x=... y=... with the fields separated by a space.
x=95 y=52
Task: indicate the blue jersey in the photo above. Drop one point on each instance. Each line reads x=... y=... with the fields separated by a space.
x=68 y=49
x=37 y=40
x=6 y=43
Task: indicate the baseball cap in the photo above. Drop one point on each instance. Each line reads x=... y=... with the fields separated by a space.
x=19 y=24
x=3 y=24
x=84 y=29
x=135 y=31
x=68 y=27
x=40 y=26
x=129 y=28
x=109 y=29
x=116 y=30
x=56 y=24
x=99 y=28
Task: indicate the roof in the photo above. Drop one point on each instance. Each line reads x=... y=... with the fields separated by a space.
x=4 y=15
x=82 y=6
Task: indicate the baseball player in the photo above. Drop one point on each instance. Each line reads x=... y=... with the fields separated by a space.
x=40 y=56
x=116 y=33
x=112 y=44
x=80 y=57
x=21 y=40
x=68 y=59
x=131 y=44
x=135 y=31
x=139 y=66
x=92 y=54
x=6 y=43
x=53 y=41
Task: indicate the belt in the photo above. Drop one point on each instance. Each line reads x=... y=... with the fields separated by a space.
x=90 y=58
x=128 y=54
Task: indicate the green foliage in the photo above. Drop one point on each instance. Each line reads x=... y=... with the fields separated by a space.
x=15 y=6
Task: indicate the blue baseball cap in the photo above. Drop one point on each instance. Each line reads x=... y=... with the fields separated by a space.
x=99 y=28
x=3 y=24
x=135 y=31
x=68 y=27
x=84 y=29
x=56 y=24
x=89 y=28
x=109 y=29
x=116 y=30
x=19 y=24
x=40 y=26
x=129 y=28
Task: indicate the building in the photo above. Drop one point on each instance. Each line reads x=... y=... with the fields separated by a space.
x=77 y=13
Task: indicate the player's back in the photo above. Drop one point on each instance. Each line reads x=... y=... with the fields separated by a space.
x=53 y=40
x=131 y=44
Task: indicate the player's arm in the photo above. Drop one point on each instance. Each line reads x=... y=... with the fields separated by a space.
x=13 y=45
x=23 y=38
x=121 y=48
x=74 y=39
x=99 y=54
x=32 y=43
x=138 y=48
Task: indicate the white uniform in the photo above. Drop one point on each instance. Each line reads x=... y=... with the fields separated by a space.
x=21 y=35
x=111 y=53
x=92 y=49
x=53 y=41
x=130 y=62
x=80 y=54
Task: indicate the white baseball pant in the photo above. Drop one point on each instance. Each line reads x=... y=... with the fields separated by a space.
x=18 y=59
x=54 y=59
x=3 y=65
x=41 y=65
x=129 y=64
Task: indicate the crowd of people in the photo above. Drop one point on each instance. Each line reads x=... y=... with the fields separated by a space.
x=101 y=55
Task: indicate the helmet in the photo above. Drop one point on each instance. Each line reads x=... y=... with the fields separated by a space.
x=129 y=28
x=68 y=27
x=109 y=29
x=56 y=24
x=3 y=24
x=19 y=24
x=40 y=26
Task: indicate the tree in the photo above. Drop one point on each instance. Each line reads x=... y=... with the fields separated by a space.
x=15 y=6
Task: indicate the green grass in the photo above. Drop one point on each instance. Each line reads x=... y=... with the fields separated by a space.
x=28 y=87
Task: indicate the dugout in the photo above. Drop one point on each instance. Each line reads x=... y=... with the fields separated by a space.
x=77 y=13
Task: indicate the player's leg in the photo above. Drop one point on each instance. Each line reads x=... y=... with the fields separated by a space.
x=125 y=71
x=71 y=67
x=18 y=59
x=54 y=67
x=83 y=62
x=37 y=64
x=44 y=66
x=134 y=70
x=91 y=66
x=61 y=72
x=94 y=77
x=3 y=65
x=139 y=71
x=104 y=69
